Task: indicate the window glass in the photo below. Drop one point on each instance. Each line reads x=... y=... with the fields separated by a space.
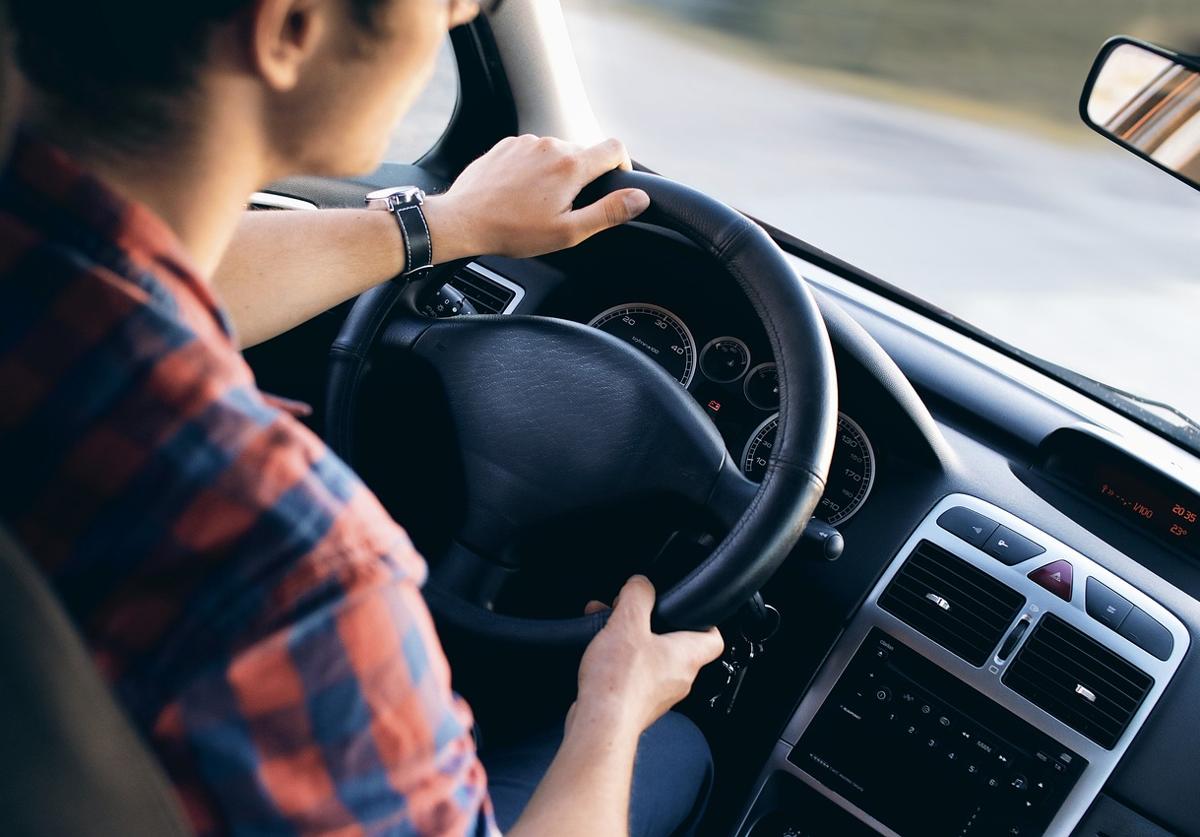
x=935 y=143
x=422 y=126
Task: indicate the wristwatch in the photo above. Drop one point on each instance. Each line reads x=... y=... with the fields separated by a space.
x=404 y=202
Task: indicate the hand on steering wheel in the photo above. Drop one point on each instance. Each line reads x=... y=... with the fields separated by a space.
x=553 y=417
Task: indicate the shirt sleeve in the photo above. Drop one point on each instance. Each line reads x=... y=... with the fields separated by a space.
x=340 y=722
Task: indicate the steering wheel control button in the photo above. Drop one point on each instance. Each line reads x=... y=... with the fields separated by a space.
x=1147 y=633
x=1057 y=577
x=969 y=525
x=1011 y=548
x=1105 y=606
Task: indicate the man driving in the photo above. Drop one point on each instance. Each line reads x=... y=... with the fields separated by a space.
x=253 y=606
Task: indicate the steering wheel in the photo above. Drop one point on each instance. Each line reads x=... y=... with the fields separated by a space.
x=554 y=417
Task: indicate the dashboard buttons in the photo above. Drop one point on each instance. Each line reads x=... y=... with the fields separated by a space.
x=1057 y=577
x=1105 y=606
x=971 y=526
x=1147 y=633
x=1011 y=548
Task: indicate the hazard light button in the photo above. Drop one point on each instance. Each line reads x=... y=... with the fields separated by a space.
x=1056 y=577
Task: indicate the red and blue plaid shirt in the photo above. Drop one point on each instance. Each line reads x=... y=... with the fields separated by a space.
x=254 y=607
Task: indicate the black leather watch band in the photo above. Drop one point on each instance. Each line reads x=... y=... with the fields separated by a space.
x=418 y=245
x=404 y=202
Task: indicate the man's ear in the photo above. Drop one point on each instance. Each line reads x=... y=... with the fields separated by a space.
x=284 y=35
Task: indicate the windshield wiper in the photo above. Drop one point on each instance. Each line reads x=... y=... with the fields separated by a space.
x=1168 y=419
x=1177 y=416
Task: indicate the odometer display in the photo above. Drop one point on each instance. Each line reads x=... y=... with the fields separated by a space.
x=851 y=473
x=656 y=332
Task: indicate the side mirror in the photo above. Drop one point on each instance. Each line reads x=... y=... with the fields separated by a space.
x=1147 y=99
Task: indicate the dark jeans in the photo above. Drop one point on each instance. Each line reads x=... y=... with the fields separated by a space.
x=671 y=777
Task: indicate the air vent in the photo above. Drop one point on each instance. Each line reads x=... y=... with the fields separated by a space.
x=1078 y=681
x=952 y=602
x=490 y=293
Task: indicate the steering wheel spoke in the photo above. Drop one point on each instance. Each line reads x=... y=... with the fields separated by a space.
x=470 y=576
x=731 y=495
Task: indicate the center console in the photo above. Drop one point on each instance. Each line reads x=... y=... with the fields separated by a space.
x=988 y=686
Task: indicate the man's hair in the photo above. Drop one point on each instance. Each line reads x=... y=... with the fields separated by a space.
x=119 y=67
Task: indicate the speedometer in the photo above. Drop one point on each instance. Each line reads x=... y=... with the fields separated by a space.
x=851 y=474
x=656 y=332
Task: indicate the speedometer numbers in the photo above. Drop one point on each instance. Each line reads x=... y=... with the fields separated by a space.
x=656 y=332
x=851 y=474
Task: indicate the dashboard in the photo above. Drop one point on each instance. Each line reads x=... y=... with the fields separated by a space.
x=921 y=719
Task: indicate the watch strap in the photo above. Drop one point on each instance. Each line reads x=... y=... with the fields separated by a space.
x=418 y=244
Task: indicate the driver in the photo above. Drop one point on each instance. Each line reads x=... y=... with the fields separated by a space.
x=253 y=606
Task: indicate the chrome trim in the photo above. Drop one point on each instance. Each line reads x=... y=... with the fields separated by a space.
x=518 y=291
x=650 y=306
x=276 y=201
x=726 y=339
x=987 y=679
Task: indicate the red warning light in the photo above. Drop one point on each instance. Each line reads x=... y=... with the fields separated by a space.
x=714 y=405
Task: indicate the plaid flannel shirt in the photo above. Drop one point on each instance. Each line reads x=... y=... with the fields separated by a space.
x=253 y=606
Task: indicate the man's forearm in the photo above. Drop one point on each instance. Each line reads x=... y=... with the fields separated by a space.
x=586 y=790
x=283 y=268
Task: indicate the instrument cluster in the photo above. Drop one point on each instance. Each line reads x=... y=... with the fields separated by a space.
x=740 y=393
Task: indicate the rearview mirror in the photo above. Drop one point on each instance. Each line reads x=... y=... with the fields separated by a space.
x=1147 y=99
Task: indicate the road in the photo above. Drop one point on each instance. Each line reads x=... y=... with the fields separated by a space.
x=1075 y=251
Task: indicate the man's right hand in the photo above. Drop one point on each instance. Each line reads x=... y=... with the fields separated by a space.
x=630 y=676
x=517 y=199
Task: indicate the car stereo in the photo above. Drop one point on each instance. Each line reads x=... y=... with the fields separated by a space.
x=923 y=753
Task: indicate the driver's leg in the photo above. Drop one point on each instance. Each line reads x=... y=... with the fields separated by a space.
x=671 y=778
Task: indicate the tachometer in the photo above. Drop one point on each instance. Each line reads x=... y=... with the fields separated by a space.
x=655 y=331
x=851 y=473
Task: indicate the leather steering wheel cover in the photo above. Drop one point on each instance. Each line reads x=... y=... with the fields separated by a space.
x=795 y=476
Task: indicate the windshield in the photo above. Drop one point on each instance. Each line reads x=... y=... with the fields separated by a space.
x=934 y=143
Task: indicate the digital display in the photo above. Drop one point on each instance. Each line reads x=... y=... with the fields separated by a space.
x=1128 y=489
x=1173 y=516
